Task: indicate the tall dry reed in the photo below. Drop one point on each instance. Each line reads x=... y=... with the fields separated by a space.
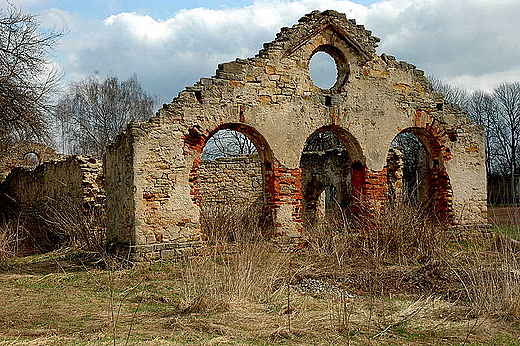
x=238 y=263
x=489 y=269
x=11 y=237
x=396 y=233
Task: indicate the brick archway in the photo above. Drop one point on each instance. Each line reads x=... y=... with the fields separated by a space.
x=433 y=185
x=235 y=171
x=332 y=175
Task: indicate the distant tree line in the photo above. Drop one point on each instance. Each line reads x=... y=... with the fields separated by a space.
x=499 y=112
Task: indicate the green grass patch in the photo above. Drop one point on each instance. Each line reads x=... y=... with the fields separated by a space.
x=512 y=231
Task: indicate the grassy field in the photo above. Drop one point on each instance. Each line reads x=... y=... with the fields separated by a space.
x=255 y=294
x=396 y=279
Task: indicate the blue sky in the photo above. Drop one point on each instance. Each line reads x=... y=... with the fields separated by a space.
x=171 y=44
x=160 y=9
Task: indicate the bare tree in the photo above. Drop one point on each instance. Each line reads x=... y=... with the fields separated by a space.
x=453 y=94
x=483 y=109
x=94 y=111
x=27 y=78
x=507 y=126
x=226 y=143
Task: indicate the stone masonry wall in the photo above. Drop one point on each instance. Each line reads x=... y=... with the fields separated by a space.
x=272 y=99
x=119 y=183
x=15 y=156
x=230 y=180
x=70 y=177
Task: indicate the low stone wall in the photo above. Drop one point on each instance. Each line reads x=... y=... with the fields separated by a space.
x=230 y=180
x=68 y=178
x=25 y=154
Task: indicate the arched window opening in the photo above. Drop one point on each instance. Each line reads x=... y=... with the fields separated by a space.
x=326 y=179
x=323 y=70
x=228 y=143
x=31 y=159
x=408 y=165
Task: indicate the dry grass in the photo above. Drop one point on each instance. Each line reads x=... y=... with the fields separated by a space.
x=490 y=272
x=360 y=287
x=10 y=239
x=242 y=271
x=396 y=234
x=226 y=223
x=57 y=223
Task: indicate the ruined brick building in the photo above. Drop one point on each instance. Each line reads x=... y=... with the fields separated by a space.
x=153 y=171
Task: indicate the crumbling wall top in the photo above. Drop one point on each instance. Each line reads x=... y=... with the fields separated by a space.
x=25 y=154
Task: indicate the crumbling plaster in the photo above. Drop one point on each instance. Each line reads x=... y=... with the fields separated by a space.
x=272 y=99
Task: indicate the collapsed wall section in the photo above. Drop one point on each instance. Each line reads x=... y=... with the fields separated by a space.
x=77 y=177
x=56 y=203
x=25 y=154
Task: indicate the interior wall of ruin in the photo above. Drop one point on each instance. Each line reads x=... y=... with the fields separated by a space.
x=235 y=180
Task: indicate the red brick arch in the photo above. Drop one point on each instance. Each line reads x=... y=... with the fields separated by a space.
x=354 y=170
x=266 y=158
x=439 y=190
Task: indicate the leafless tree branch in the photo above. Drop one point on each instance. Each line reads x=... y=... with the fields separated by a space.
x=94 y=111
x=28 y=79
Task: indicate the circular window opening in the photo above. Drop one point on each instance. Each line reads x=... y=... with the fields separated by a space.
x=31 y=159
x=323 y=70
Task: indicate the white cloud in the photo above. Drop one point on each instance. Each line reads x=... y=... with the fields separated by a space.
x=473 y=42
x=448 y=38
x=169 y=55
x=486 y=81
x=144 y=28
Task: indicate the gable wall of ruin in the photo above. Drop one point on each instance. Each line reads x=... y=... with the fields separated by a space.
x=271 y=98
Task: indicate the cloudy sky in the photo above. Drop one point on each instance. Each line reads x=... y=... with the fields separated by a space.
x=170 y=44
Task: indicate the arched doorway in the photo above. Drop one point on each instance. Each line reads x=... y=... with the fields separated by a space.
x=332 y=176
x=416 y=173
x=229 y=183
x=408 y=162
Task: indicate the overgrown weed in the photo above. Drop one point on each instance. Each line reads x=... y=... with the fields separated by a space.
x=238 y=263
x=11 y=236
x=490 y=275
x=250 y=271
x=396 y=233
x=67 y=222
